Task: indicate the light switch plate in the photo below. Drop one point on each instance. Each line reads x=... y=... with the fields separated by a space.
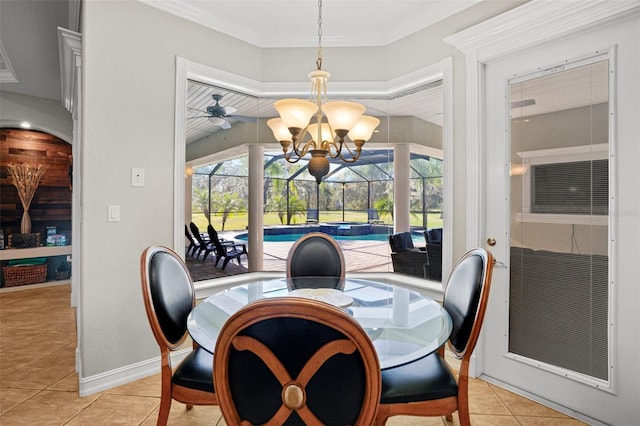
x=137 y=177
x=113 y=213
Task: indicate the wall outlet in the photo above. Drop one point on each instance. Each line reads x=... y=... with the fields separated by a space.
x=137 y=177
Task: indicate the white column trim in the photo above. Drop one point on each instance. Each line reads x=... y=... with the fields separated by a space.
x=179 y=154
x=256 y=204
x=401 y=187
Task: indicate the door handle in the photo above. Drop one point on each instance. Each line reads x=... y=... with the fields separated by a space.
x=491 y=241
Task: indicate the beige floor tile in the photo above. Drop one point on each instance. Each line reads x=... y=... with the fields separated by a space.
x=548 y=421
x=116 y=410
x=149 y=386
x=180 y=416
x=47 y=408
x=69 y=383
x=491 y=420
x=415 y=421
x=521 y=406
x=483 y=400
x=10 y=398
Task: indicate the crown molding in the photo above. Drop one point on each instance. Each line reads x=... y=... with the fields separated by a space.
x=70 y=50
x=537 y=22
x=262 y=89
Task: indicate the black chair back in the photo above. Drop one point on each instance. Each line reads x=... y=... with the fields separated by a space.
x=169 y=295
x=316 y=254
x=433 y=236
x=465 y=298
x=400 y=241
x=295 y=361
x=196 y=233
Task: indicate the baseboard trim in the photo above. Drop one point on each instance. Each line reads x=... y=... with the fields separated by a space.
x=123 y=375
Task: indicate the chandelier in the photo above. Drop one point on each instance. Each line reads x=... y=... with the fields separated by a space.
x=320 y=127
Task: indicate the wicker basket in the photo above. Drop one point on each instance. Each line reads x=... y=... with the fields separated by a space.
x=24 y=274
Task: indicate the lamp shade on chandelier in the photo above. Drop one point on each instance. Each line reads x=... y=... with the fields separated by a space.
x=321 y=127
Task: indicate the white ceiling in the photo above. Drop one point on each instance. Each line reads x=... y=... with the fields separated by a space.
x=294 y=23
x=28 y=34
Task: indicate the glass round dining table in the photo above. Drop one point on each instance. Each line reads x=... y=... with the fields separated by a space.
x=403 y=324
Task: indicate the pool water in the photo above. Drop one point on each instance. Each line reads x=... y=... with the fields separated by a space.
x=417 y=238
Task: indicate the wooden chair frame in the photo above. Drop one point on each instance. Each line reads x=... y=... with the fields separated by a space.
x=447 y=406
x=295 y=307
x=169 y=390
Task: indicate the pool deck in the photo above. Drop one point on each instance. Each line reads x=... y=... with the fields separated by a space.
x=359 y=256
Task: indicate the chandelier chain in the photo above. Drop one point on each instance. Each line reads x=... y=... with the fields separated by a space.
x=319 y=60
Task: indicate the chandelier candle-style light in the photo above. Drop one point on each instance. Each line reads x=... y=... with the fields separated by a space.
x=302 y=127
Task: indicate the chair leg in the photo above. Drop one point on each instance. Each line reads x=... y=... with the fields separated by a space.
x=165 y=407
x=226 y=260
x=449 y=417
x=382 y=416
x=189 y=407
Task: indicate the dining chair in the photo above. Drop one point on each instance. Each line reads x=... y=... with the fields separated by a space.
x=295 y=361
x=427 y=387
x=204 y=245
x=316 y=254
x=169 y=297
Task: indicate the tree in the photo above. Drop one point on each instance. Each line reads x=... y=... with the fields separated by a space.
x=226 y=204
x=201 y=200
x=384 y=206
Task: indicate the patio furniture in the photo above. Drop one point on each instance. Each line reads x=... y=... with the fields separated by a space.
x=312 y=216
x=193 y=244
x=406 y=258
x=227 y=252
x=213 y=235
x=168 y=296
x=292 y=360
x=204 y=245
x=373 y=217
x=433 y=268
x=427 y=387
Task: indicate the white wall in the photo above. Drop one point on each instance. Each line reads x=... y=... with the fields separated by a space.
x=129 y=52
x=45 y=115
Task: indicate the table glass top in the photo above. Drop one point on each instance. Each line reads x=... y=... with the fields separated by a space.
x=403 y=324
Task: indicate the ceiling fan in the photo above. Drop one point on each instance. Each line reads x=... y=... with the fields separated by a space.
x=218 y=115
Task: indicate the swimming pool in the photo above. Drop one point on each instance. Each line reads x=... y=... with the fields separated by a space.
x=341 y=231
x=280 y=238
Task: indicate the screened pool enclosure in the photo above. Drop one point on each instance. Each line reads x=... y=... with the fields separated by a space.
x=360 y=192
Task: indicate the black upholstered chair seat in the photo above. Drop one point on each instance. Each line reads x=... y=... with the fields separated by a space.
x=168 y=295
x=427 y=387
x=195 y=371
x=425 y=379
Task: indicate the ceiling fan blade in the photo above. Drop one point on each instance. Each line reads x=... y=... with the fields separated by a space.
x=245 y=118
x=217 y=121
x=229 y=110
x=225 y=125
x=199 y=116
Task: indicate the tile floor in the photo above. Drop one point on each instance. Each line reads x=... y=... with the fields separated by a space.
x=38 y=385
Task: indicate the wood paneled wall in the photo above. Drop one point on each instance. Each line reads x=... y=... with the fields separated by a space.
x=51 y=205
